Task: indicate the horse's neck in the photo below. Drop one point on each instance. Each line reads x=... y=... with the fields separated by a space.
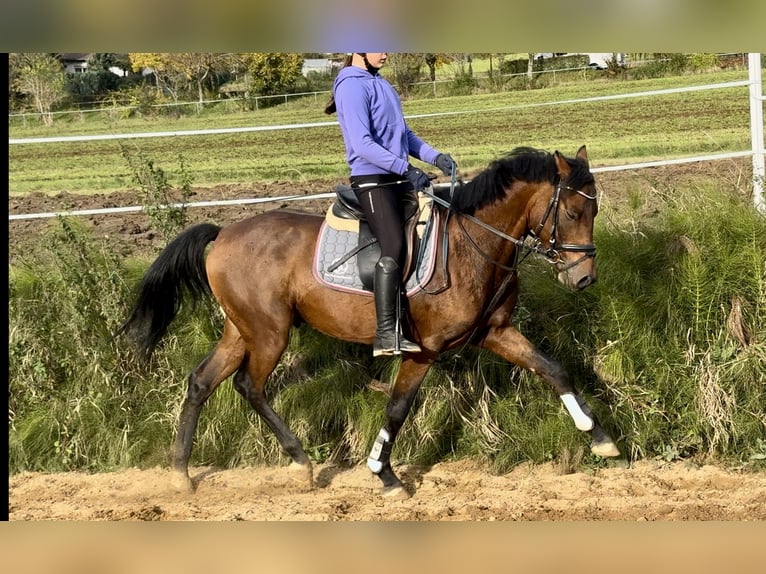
x=510 y=215
x=511 y=221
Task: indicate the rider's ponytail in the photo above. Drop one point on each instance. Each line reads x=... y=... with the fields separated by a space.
x=330 y=108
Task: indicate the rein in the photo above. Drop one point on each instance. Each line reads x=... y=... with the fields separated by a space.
x=552 y=254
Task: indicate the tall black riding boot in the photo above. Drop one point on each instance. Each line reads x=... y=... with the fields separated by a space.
x=388 y=336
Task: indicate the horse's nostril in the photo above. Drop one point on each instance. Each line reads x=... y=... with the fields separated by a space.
x=586 y=281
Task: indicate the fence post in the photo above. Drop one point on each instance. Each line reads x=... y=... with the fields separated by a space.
x=756 y=130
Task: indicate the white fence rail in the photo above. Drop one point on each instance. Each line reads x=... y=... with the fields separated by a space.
x=196 y=104
x=757 y=138
x=756 y=130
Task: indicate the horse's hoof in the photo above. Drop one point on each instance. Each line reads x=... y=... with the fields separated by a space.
x=182 y=483
x=302 y=473
x=605 y=449
x=395 y=493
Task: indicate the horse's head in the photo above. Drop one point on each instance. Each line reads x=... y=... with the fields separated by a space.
x=566 y=219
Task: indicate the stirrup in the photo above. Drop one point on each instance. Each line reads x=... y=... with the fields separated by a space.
x=384 y=351
x=406 y=346
x=400 y=345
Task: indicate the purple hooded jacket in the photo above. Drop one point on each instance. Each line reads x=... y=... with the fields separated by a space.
x=377 y=138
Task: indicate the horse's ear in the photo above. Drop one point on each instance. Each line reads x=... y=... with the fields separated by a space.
x=582 y=154
x=561 y=165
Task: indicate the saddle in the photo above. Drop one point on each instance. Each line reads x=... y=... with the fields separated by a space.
x=346 y=214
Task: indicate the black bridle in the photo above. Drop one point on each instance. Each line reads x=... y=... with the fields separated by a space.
x=530 y=241
x=553 y=253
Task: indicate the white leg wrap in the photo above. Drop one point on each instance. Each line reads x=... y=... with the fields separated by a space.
x=582 y=421
x=373 y=461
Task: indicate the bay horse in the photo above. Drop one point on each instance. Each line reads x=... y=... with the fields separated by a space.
x=260 y=272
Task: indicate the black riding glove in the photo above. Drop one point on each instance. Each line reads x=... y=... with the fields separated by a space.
x=418 y=179
x=445 y=163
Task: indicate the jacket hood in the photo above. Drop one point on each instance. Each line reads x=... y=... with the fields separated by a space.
x=352 y=72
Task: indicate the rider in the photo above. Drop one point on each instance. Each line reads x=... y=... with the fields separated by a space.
x=378 y=145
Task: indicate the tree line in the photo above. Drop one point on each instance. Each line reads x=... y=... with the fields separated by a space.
x=39 y=81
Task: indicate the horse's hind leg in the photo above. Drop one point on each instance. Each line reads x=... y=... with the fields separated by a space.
x=203 y=381
x=514 y=347
x=250 y=382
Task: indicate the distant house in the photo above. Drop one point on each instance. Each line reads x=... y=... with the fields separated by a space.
x=601 y=60
x=75 y=63
x=319 y=65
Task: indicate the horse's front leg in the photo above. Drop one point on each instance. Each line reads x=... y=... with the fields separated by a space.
x=411 y=374
x=514 y=347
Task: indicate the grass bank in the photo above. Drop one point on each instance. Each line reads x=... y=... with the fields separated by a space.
x=669 y=346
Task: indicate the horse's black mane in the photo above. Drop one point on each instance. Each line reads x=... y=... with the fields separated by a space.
x=524 y=164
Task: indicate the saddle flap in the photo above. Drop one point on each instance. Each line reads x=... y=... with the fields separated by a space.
x=347 y=203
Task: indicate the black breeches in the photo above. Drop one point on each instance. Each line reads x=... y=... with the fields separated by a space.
x=384 y=211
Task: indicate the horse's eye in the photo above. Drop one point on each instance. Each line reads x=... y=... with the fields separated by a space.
x=571 y=215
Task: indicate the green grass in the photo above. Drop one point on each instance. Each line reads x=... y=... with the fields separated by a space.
x=669 y=347
x=616 y=132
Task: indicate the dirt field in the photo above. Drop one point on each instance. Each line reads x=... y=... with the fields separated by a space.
x=131 y=233
x=456 y=491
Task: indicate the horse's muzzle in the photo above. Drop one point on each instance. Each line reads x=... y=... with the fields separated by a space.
x=575 y=281
x=580 y=273
x=585 y=281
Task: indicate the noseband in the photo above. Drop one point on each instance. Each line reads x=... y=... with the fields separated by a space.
x=553 y=253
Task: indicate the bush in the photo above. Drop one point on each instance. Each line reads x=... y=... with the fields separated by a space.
x=165 y=207
x=560 y=62
x=508 y=67
x=660 y=66
x=463 y=84
x=90 y=86
x=703 y=62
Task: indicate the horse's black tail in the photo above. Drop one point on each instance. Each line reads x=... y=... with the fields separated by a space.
x=178 y=270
